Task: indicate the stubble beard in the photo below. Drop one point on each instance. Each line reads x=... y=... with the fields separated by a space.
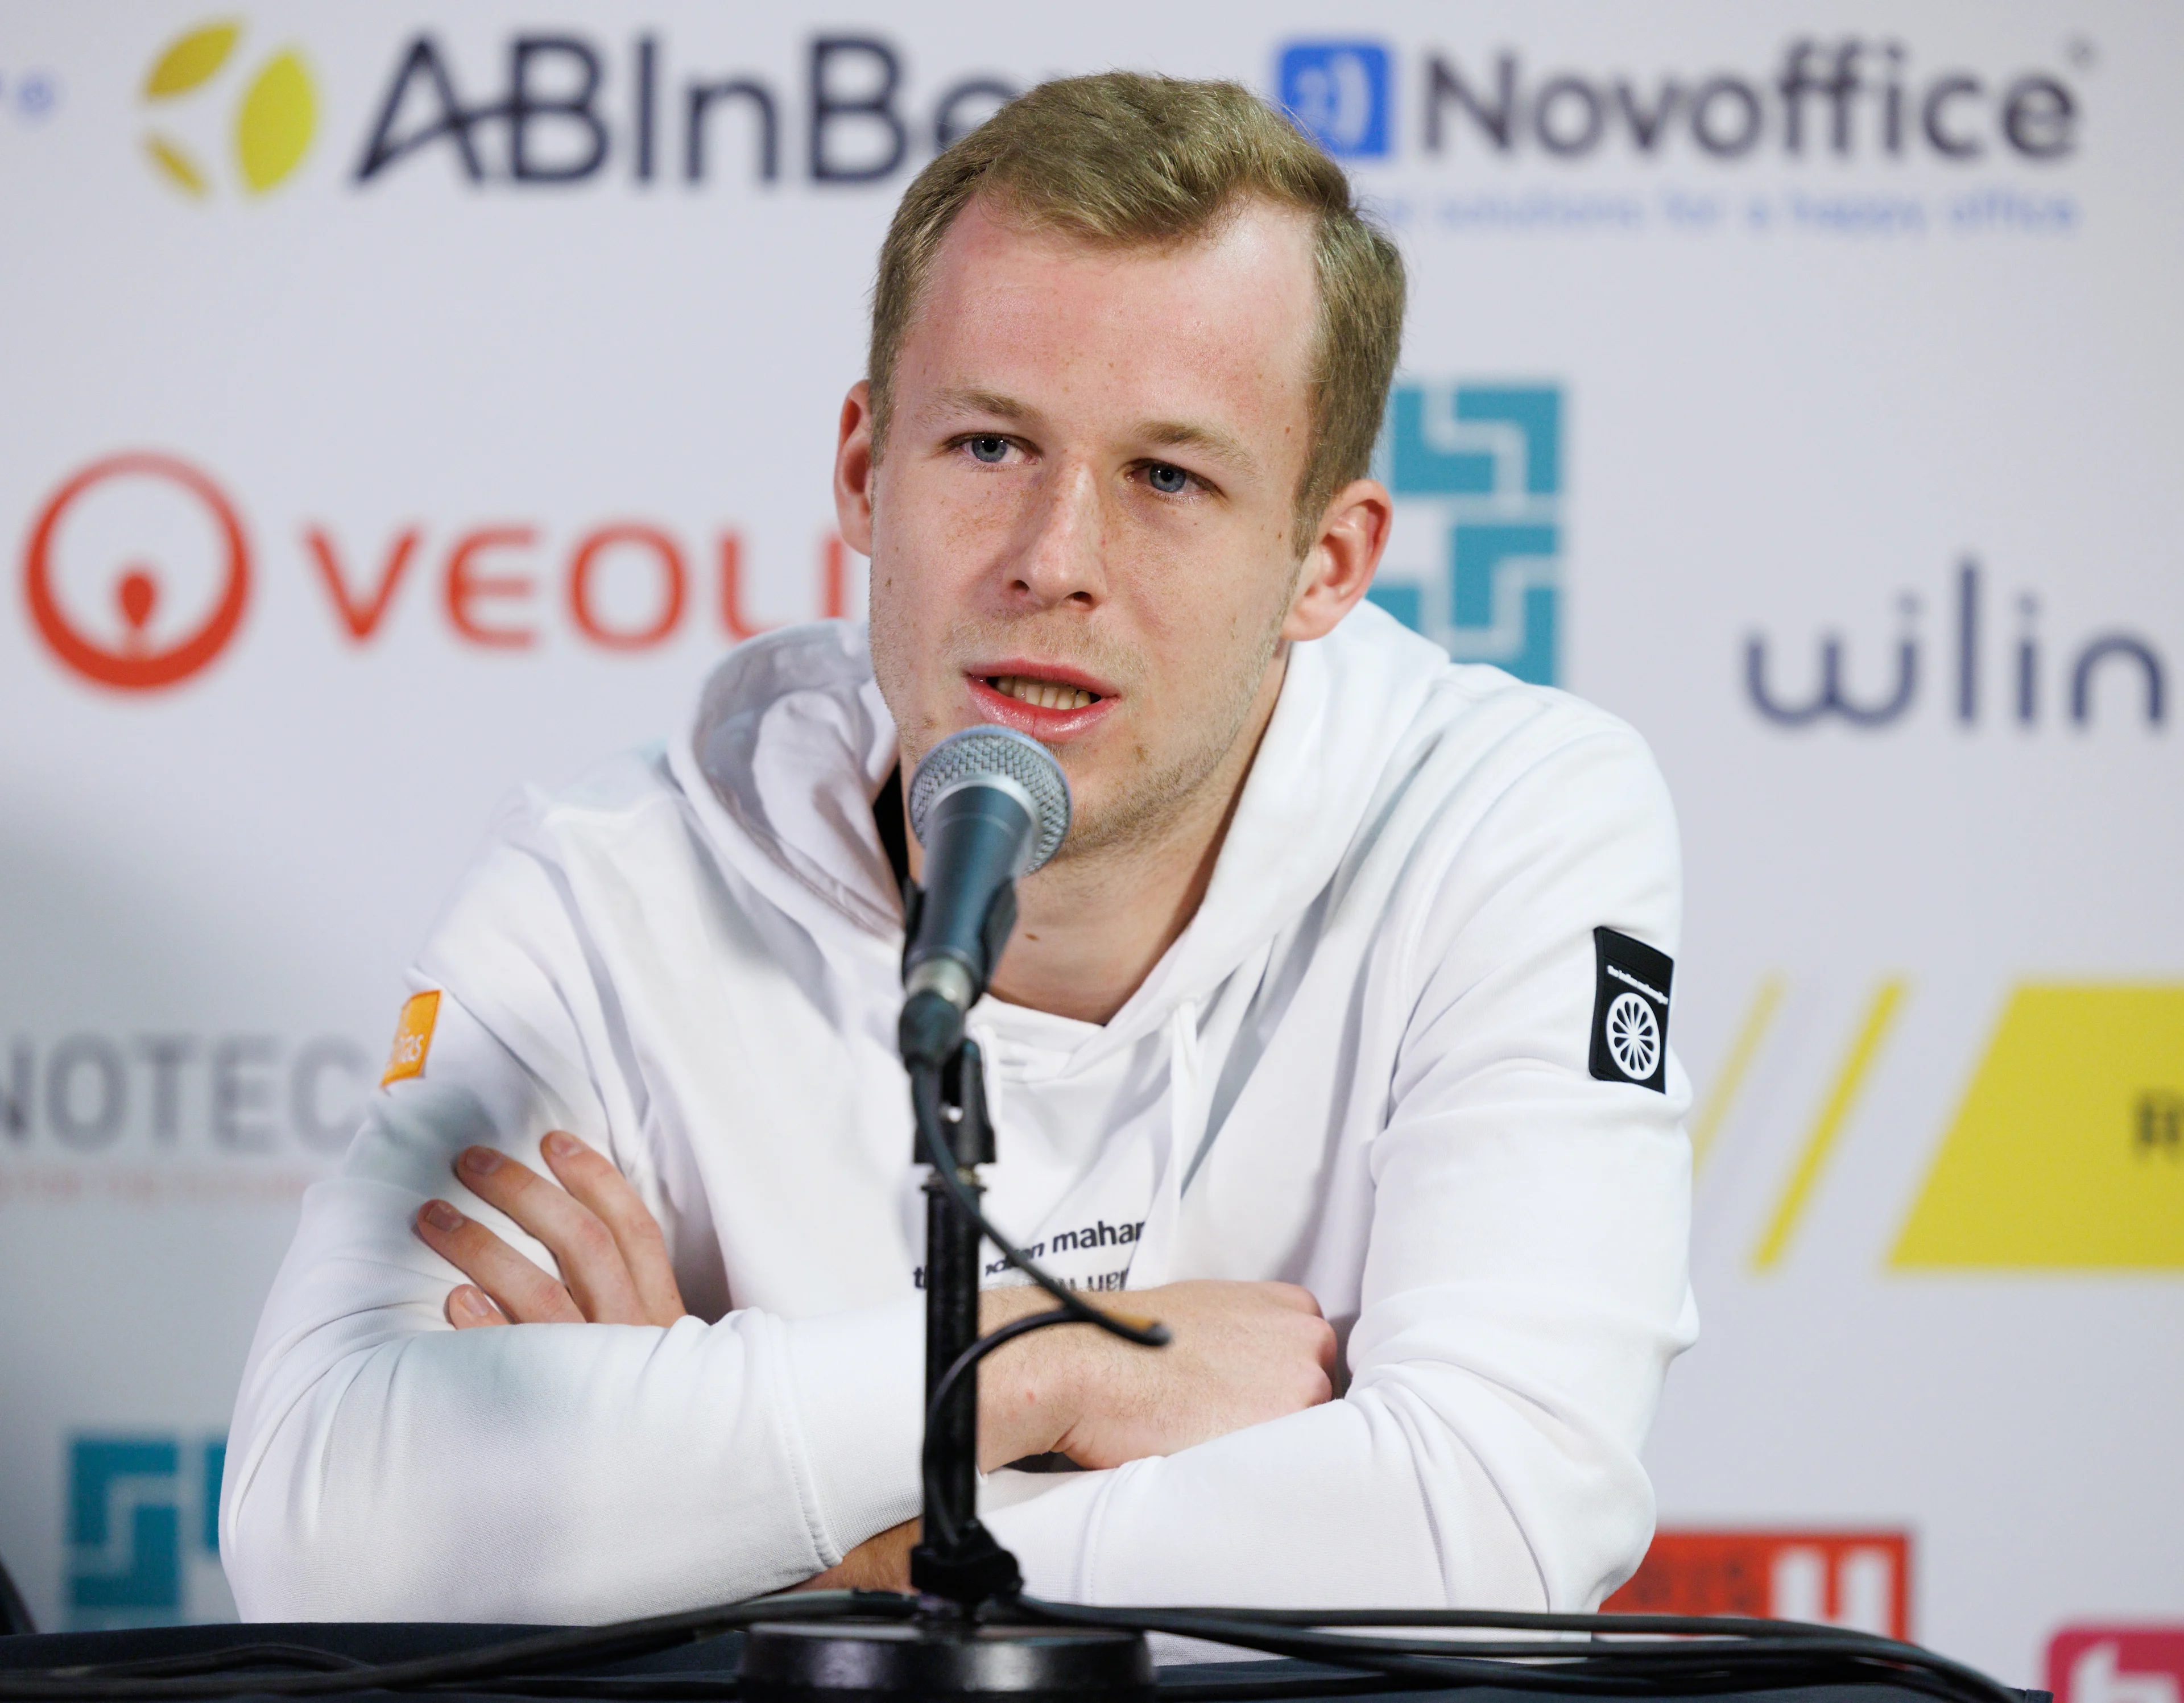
x=1156 y=797
x=1153 y=797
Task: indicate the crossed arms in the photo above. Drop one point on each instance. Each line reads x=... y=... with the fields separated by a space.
x=1242 y=1353
x=1505 y=1238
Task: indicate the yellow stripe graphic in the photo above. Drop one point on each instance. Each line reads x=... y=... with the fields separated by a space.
x=1829 y=1124
x=1707 y=1125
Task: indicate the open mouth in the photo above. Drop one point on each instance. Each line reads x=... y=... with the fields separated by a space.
x=1042 y=694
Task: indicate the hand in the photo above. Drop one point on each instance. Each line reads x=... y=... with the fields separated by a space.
x=1241 y=1354
x=612 y=1256
x=880 y=1563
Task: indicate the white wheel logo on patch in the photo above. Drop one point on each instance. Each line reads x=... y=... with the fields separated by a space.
x=1634 y=1036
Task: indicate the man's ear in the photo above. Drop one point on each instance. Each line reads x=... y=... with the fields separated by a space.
x=1353 y=533
x=855 y=464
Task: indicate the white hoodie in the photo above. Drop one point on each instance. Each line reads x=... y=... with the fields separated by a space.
x=1362 y=1068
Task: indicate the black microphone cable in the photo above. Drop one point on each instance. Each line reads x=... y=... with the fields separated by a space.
x=1570 y=1654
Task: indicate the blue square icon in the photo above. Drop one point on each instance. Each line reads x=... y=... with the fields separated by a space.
x=1338 y=94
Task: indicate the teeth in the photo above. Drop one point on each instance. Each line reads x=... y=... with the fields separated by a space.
x=1045 y=695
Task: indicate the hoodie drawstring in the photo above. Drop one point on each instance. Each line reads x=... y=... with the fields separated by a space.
x=1186 y=1129
x=1186 y=1104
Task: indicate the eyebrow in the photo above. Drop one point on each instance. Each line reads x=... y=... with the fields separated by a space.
x=1183 y=434
x=1171 y=434
x=958 y=399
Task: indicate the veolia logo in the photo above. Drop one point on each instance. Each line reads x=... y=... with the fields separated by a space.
x=84 y=542
x=275 y=117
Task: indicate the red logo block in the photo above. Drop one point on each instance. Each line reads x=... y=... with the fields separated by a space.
x=2117 y=1664
x=1857 y=1579
x=134 y=664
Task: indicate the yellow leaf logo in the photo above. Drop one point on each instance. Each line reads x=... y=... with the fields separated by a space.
x=191 y=59
x=274 y=120
x=179 y=168
x=274 y=126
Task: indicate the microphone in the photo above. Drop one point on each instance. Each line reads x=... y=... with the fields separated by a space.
x=988 y=805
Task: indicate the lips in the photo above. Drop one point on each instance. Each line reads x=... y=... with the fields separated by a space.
x=1049 y=702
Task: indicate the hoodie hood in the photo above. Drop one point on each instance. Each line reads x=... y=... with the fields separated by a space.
x=1363 y=1069
x=791 y=742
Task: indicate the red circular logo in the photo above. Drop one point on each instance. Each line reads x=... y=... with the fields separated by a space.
x=136 y=667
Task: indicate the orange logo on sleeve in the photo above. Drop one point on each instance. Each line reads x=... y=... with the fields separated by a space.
x=412 y=1037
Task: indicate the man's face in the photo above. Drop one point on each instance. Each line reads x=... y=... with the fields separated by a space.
x=1082 y=518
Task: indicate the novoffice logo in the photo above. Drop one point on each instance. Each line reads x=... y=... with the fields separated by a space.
x=143 y=1520
x=1841 y=97
x=1475 y=562
x=1339 y=92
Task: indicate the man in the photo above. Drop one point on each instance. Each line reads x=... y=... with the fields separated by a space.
x=1311 y=1011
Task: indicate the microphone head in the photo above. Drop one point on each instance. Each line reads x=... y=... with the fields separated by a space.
x=989 y=754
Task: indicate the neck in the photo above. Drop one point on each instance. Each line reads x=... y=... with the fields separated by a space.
x=1090 y=927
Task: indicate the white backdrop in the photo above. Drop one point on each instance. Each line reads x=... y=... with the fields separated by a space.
x=1741 y=332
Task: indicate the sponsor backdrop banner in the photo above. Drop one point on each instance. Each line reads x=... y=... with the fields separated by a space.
x=407 y=402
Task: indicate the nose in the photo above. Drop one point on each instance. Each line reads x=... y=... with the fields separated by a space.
x=1062 y=560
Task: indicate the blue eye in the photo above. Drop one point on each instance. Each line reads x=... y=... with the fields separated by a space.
x=989 y=449
x=1169 y=482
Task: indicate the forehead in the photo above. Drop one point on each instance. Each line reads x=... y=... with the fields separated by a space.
x=1221 y=324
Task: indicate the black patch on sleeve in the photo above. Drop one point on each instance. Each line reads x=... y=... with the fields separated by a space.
x=1631 y=1011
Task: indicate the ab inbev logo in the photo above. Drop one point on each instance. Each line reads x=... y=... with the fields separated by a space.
x=547 y=106
x=270 y=118
x=138 y=572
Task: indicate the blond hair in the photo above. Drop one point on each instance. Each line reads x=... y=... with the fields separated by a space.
x=1124 y=160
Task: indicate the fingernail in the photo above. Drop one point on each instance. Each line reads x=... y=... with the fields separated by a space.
x=562 y=1145
x=479 y=1161
x=441 y=1216
x=470 y=1303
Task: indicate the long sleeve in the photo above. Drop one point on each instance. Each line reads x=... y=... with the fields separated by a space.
x=1524 y=1284
x=383 y=1465
x=1419 y=1140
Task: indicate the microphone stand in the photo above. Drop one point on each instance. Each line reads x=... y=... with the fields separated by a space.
x=958 y=1642
x=957 y=1561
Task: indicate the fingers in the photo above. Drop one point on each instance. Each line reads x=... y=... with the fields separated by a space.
x=592 y=1265
x=612 y=1257
x=592 y=1179
x=1326 y=1350
x=519 y=1289
x=1311 y=1326
x=880 y=1563
x=1318 y=1334
x=1295 y=1296
x=470 y=1307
